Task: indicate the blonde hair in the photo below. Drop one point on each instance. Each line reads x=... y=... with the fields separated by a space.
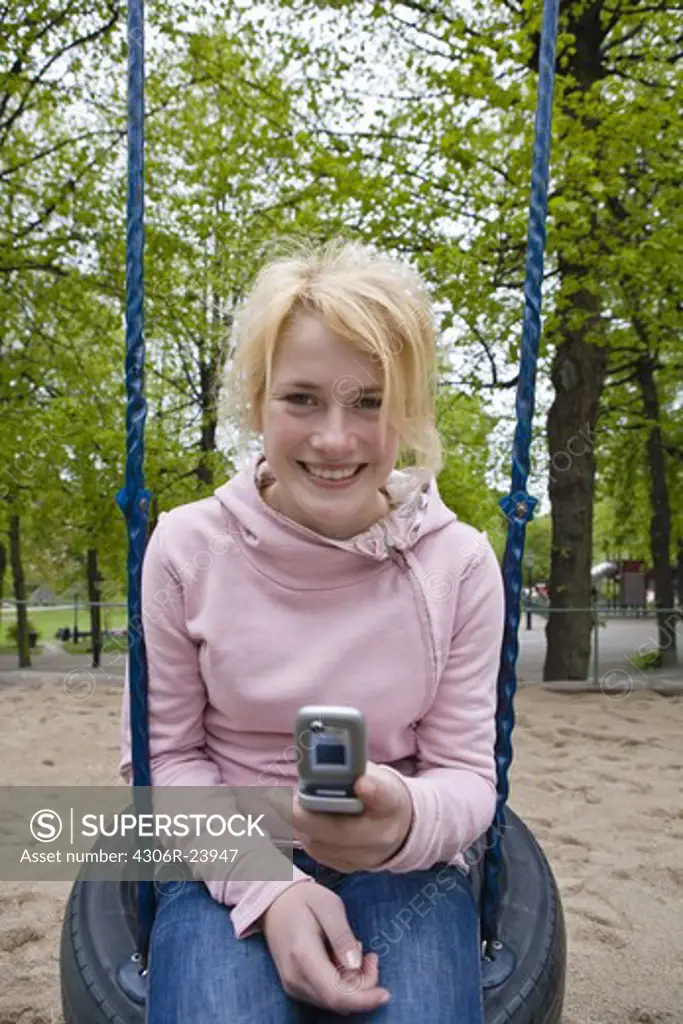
x=379 y=304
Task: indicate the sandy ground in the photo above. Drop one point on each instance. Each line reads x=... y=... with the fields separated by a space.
x=599 y=780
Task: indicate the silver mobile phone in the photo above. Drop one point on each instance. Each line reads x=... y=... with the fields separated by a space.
x=332 y=753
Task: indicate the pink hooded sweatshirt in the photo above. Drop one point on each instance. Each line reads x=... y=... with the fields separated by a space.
x=247 y=616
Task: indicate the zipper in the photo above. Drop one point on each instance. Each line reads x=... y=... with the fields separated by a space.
x=397 y=556
x=401 y=558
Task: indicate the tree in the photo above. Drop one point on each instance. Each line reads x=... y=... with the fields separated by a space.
x=45 y=154
x=452 y=155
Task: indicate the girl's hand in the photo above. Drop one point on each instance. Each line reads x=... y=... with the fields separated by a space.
x=357 y=842
x=309 y=938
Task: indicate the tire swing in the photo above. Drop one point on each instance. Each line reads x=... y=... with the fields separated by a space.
x=107 y=925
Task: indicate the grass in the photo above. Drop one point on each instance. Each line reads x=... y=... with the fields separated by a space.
x=110 y=646
x=11 y=649
x=650 y=659
x=48 y=620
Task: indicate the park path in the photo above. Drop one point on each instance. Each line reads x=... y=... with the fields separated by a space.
x=618 y=643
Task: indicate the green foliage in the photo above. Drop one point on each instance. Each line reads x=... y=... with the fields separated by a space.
x=263 y=127
x=465 y=430
x=649 y=660
x=537 y=546
x=11 y=632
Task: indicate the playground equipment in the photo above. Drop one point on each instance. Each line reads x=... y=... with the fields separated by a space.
x=107 y=925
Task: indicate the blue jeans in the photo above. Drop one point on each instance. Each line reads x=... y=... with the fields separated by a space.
x=423 y=925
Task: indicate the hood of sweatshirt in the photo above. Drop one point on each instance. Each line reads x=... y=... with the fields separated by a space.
x=300 y=558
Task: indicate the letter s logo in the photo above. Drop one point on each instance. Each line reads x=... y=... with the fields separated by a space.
x=46 y=826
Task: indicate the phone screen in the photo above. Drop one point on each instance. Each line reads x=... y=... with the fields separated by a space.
x=327 y=750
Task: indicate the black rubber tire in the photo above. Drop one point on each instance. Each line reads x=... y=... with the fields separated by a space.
x=99 y=928
x=531 y=924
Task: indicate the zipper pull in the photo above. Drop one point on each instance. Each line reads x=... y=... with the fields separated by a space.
x=388 y=543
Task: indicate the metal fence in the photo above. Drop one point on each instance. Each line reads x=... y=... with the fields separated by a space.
x=606 y=609
x=74 y=611
x=78 y=611
x=600 y=612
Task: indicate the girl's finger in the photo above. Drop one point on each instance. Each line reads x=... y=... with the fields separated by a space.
x=370 y=970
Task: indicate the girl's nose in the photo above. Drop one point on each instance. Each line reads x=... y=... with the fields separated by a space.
x=335 y=436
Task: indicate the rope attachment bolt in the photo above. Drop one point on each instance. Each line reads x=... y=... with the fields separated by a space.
x=518 y=507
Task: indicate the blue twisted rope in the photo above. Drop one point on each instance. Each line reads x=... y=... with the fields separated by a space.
x=133 y=499
x=519 y=506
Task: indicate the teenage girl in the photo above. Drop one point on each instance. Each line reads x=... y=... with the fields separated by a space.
x=322 y=574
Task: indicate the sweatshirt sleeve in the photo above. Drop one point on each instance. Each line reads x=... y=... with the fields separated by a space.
x=177 y=700
x=454 y=790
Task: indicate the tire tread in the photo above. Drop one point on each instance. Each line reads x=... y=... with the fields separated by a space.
x=77 y=972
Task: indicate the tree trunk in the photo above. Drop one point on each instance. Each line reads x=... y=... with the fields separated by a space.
x=679 y=575
x=153 y=516
x=3 y=566
x=208 y=390
x=207 y=441
x=94 y=597
x=19 y=591
x=212 y=354
x=578 y=375
x=660 y=516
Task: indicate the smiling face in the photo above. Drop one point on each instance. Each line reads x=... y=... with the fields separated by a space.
x=322 y=416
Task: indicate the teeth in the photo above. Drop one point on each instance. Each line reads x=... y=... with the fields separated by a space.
x=332 y=474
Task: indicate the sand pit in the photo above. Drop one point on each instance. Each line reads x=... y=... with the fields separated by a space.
x=599 y=780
